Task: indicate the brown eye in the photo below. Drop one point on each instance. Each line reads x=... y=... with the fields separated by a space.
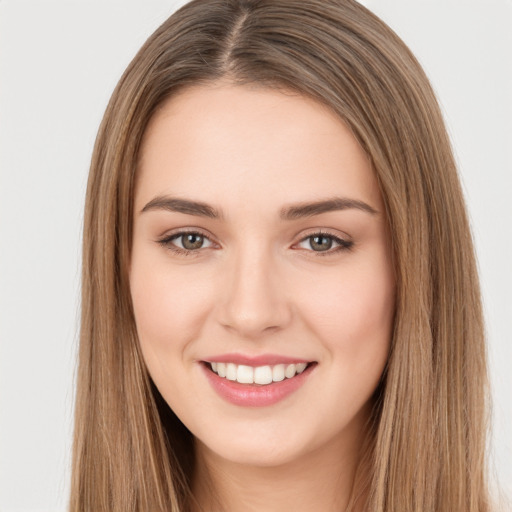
x=191 y=241
x=320 y=242
x=325 y=243
x=186 y=242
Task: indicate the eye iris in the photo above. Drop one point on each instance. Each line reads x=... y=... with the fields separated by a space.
x=320 y=243
x=192 y=241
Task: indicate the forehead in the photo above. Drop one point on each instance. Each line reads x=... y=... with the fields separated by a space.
x=223 y=141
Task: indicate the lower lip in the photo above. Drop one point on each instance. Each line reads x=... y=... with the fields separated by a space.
x=254 y=395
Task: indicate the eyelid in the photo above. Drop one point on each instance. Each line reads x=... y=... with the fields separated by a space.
x=343 y=242
x=167 y=239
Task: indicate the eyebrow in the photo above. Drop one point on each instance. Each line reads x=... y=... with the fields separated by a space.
x=309 y=209
x=175 y=204
x=291 y=212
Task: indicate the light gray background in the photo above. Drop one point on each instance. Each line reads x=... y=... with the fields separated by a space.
x=59 y=62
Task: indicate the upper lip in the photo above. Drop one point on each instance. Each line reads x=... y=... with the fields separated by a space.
x=252 y=360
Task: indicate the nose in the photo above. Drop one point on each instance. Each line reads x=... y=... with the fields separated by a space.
x=254 y=301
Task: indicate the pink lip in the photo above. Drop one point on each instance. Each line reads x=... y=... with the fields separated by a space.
x=255 y=395
x=261 y=360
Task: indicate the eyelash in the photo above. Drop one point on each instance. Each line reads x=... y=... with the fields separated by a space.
x=167 y=243
x=343 y=245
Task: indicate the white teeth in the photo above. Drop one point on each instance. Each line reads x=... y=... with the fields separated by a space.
x=278 y=373
x=301 y=367
x=263 y=375
x=221 y=369
x=231 y=371
x=259 y=375
x=245 y=374
x=290 y=371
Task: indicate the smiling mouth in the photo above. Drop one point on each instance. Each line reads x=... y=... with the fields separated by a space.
x=260 y=375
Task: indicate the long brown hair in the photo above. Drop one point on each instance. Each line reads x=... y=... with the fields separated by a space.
x=428 y=443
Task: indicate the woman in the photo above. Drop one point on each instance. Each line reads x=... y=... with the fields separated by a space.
x=280 y=301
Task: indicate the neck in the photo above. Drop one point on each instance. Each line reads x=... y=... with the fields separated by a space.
x=327 y=479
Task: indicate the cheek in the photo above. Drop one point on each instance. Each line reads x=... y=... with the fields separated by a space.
x=168 y=305
x=354 y=322
x=353 y=314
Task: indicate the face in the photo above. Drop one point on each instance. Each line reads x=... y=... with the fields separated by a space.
x=261 y=273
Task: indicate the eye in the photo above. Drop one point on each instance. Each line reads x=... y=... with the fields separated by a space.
x=186 y=242
x=325 y=243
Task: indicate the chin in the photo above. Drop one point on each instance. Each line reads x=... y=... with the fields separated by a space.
x=272 y=445
x=257 y=450
x=259 y=456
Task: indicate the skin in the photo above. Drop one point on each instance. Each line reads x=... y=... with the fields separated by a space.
x=257 y=285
